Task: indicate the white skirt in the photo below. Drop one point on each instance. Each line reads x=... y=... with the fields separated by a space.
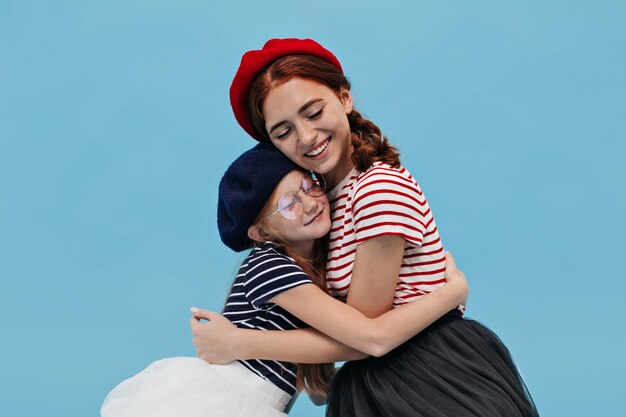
x=191 y=387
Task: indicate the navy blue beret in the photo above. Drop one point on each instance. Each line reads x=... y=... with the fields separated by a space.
x=245 y=188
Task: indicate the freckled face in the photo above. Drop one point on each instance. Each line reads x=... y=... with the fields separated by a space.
x=308 y=123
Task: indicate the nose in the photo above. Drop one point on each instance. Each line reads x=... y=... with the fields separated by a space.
x=309 y=203
x=307 y=133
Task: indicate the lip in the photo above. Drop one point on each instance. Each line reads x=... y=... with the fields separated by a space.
x=317 y=145
x=315 y=218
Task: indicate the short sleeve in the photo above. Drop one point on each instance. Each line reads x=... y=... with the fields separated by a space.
x=387 y=201
x=270 y=275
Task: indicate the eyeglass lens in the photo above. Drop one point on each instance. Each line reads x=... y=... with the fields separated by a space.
x=290 y=204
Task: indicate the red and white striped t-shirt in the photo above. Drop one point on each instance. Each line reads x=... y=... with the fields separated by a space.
x=380 y=201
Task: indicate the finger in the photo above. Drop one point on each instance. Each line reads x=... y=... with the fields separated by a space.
x=450 y=264
x=204 y=314
x=194 y=322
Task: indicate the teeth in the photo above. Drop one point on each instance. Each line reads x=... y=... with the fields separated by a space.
x=318 y=150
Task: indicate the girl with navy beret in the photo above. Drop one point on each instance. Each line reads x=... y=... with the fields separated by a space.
x=384 y=252
x=278 y=211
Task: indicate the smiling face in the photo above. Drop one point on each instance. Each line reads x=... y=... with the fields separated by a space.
x=308 y=122
x=308 y=221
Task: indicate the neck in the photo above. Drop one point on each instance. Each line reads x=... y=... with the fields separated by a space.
x=303 y=249
x=335 y=175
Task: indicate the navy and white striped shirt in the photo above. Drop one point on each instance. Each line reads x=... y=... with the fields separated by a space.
x=265 y=273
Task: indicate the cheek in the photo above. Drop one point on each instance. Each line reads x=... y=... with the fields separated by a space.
x=283 y=227
x=286 y=147
x=340 y=117
x=327 y=225
x=326 y=205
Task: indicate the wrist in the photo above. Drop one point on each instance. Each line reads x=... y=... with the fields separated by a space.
x=455 y=293
x=238 y=345
x=461 y=291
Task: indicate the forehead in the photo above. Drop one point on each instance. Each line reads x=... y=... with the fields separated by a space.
x=286 y=98
x=290 y=182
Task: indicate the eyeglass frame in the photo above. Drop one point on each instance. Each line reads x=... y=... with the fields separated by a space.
x=297 y=200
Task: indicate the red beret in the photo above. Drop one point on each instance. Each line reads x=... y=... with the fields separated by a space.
x=255 y=61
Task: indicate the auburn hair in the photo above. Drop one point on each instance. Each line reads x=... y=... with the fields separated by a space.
x=368 y=143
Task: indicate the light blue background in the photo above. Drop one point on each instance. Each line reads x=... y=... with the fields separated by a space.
x=115 y=128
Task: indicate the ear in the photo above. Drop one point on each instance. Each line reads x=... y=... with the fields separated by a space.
x=346 y=99
x=258 y=233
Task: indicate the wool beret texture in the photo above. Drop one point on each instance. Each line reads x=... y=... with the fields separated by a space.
x=255 y=61
x=245 y=188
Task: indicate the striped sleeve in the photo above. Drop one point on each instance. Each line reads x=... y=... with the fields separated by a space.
x=270 y=275
x=387 y=201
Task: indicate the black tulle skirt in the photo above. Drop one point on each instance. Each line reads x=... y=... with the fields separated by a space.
x=456 y=367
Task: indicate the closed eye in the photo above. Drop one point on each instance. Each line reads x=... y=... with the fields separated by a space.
x=283 y=135
x=316 y=114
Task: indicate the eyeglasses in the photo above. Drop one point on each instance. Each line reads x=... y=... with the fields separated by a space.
x=290 y=204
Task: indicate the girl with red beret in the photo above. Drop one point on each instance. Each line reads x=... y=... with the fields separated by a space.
x=269 y=204
x=384 y=251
